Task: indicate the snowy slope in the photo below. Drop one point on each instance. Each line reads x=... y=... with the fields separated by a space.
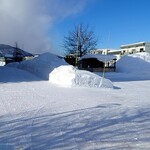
x=135 y=63
x=135 y=67
x=145 y=56
x=41 y=66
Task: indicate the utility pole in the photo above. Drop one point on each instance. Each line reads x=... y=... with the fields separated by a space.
x=78 y=50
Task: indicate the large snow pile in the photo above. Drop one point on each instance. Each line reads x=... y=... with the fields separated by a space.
x=56 y=70
x=42 y=65
x=135 y=63
x=69 y=76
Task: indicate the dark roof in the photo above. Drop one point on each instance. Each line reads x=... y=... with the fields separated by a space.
x=9 y=50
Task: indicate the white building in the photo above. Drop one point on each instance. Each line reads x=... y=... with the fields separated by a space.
x=102 y=51
x=99 y=51
x=125 y=49
x=116 y=52
x=135 y=48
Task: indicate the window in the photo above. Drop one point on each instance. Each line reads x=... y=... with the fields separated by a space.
x=141 y=49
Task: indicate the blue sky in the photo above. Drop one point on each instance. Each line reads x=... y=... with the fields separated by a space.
x=40 y=25
x=115 y=22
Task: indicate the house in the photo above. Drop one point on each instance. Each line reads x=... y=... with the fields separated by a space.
x=135 y=48
x=12 y=54
x=97 y=63
x=125 y=49
x=99 y=51
x=70 y=59
x=100 y=59
x=116 y=52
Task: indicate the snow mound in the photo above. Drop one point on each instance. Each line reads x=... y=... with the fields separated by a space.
x=42 y=65
x=53 y=68
x=135 y=63
x=69 y=76
x=145 y=56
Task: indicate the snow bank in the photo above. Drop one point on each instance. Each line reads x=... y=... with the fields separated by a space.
x=144 y=56
x=55 y=69
x=42 y=65
x=69 y=76
x=135 y=63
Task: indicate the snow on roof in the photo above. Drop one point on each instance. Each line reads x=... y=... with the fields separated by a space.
x=134 y=44
x=99 y=57
x=9 y=50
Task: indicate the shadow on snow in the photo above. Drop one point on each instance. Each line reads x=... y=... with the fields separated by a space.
x=8 y=74
x=101 y=127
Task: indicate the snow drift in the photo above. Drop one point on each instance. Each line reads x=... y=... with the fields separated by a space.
x=135 y=63
x=144 y=56
x=69 y=76
x=42 y=65
x=56 y=70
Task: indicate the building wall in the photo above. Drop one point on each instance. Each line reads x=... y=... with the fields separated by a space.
x=147 y=47
x=102 y=51
x=99 y=51
x=125 y=49
x=114 y=52
x=133 y=48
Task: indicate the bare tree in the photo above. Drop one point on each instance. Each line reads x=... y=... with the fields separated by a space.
x=80 y=40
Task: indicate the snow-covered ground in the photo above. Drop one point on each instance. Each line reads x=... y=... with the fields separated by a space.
x=38 y=114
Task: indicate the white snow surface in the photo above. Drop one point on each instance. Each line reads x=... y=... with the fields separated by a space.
x=69 y=76
x=42 y=65
x=36 y=114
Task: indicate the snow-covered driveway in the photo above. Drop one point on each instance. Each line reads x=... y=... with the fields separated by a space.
x=39 y=115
